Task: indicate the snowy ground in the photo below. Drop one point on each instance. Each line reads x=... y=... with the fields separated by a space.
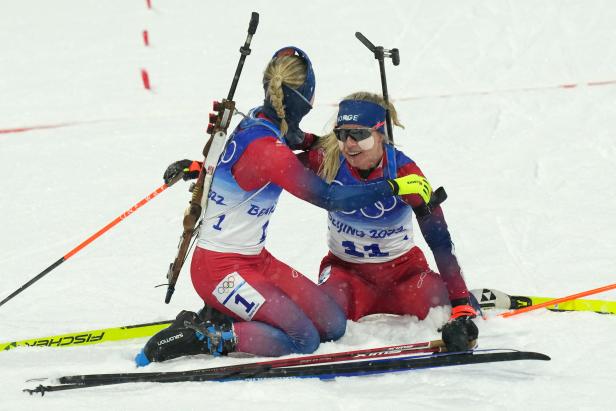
x=529 y=168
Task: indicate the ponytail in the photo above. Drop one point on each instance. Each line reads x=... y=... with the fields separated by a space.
x=287 y=70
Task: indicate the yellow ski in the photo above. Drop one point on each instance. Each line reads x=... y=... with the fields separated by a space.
x=598 y=306
x=90 y=337
x=489 y=298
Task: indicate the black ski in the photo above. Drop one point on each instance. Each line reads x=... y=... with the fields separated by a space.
x=343 y=356
x=322 y=371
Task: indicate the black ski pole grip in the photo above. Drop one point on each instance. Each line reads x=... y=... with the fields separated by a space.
x=254 y=22
x=436 y=199
x=438 y=196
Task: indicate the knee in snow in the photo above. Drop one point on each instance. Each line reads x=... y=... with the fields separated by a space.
x=336 y=327
x=308 y=342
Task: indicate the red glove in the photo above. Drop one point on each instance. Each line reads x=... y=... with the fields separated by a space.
x=462 y=311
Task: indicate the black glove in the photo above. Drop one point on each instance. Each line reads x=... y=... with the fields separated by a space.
x=460 y=332
x=188 y=169
x=300 y=140
x=311 y=140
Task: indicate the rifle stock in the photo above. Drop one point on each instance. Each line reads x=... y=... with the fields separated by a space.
x=191 y=216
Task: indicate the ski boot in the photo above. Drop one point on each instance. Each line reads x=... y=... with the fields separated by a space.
x=212 y=315
x=188 y=335
x=490 y=298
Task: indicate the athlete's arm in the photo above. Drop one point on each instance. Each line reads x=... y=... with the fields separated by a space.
x=269 y=160
x=434 y=229
x=312 y=159
x=435 y=232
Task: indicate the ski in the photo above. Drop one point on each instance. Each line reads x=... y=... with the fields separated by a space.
x=597 y=306
x=493 y=299
x=434 y=346
x=488 y=299
x=90 y=337
x=322 y=371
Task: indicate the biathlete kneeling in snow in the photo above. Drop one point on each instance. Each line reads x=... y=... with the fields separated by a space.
x=373 y=265
x=277 y=311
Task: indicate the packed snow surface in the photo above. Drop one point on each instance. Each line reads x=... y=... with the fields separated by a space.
x=528 y=165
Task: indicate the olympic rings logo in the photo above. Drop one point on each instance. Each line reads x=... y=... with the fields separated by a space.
x=227 y=156
x=369 y=212
x=226 y=285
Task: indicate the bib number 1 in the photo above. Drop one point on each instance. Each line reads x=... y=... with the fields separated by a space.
x=238 y=296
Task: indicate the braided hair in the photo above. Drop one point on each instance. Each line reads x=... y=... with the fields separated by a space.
x=287 y=70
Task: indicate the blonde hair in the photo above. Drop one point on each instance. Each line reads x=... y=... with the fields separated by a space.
x=288 y=70
x=329 y=144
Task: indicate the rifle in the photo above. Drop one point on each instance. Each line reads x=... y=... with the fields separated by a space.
x=380 y=54
x=217 y=129
x=439 y=195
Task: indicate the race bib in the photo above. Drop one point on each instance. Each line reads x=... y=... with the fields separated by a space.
x=238 y=296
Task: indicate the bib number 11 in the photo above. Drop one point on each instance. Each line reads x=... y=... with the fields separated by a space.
x=373 y=250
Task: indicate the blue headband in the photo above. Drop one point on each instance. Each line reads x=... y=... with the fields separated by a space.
x=361 y=112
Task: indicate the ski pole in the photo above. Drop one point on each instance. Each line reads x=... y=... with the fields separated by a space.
x=380 y=53
x=91 y=238
x=558 y=300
